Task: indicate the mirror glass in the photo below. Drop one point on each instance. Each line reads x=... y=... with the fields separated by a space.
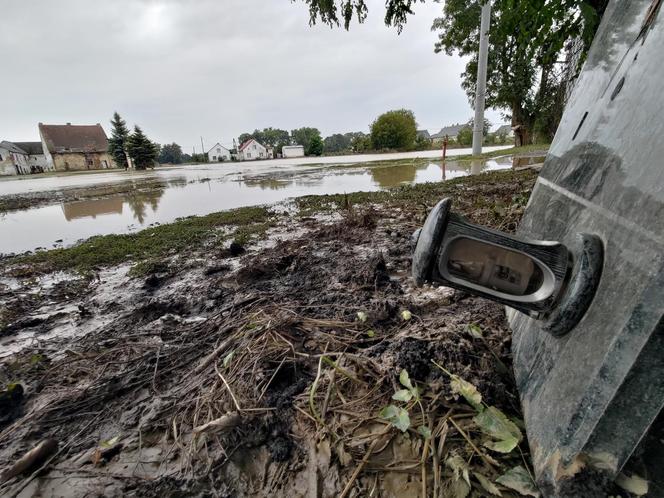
x=494 y=267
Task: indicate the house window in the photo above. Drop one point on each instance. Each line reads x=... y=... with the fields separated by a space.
x=88 y=161
x=253 y=146
x=218 y=151
x=248 y=155
x=214 y=158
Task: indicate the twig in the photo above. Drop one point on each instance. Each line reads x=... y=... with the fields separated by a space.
x=220 y=349
x=237 y=405
x=477 y=450
x=358 y=469
x=312 y=393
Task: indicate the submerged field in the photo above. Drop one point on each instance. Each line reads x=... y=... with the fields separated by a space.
x=269 y=351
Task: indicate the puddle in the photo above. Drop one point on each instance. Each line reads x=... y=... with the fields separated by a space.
x=199 y=190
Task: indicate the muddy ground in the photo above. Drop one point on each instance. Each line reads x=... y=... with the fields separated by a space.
x=263 y=369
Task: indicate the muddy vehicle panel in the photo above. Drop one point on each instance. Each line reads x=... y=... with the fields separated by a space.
x=590 y=396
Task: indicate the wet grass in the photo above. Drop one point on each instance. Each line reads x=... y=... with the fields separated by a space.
x=152 y=243
x=420 y=194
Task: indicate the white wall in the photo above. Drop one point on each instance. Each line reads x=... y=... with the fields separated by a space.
x=253 y=151
x=40 y=160
x=219 y=153
x=292 y=151
x=12 y=160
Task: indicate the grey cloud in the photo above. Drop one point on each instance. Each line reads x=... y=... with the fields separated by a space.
x=216 y=68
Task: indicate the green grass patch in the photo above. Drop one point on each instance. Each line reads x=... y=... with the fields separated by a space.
x=152 y=243
x=420 y=194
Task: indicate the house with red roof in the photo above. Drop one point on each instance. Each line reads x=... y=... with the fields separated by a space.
x=252 y=150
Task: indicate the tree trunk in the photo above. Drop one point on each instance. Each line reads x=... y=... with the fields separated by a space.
x=521 y=126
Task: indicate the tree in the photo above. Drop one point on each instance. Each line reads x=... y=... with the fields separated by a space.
x=465 y=136
x=337 y=142
x=316 y=146
x=422 y=143
x=117 y=144
x=359 y=142
x=304 y=136
x=273 y=137
x=394 y=130
x=141 y=150
x=526 y=41
x=171 y=154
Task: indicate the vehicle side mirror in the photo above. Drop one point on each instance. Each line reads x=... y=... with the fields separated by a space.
x=543 y=279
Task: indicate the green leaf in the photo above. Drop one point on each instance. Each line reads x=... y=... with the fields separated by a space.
x=424 y=431
x=634 y=484
x=503 y=446
x=488 y=486
x=468 y=391
x=362 y=316
x=495 y=424
x=389 y=412
x=371 y=334
x=406 y=315
x=398 y=417
x=228 y=358
x=475 y=331
x=519 y=480
x=405 y=379
x=403 y=420
x=403 y=395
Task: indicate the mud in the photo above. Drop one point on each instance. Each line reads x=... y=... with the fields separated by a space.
x=302 y=335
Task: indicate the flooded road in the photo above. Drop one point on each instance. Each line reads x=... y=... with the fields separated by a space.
x=199 y=190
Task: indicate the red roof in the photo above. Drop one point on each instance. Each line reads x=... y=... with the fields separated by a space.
x=246 y=144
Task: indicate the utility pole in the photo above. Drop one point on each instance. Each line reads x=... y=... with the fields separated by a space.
x=203 y=149
x=480 y=88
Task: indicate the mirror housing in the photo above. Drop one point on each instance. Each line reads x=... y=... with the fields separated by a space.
x=530 y=276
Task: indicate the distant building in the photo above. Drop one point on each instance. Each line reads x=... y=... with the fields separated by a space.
x=423 y=135
x=36 y=156
x=218 y=153
x=292 y=151
x=505 y=130
x=13 y=160
x=75 y=147
x=450 y=131
x=251 y=150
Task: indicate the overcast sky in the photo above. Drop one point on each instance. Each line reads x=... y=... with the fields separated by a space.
x=183 y=69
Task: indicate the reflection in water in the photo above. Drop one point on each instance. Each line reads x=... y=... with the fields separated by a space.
x=91 y=209
x=137 y=202
x=267 y=183
x=391 y=176
x=209 y=190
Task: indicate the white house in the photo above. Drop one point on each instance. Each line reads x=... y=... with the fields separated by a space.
x=13 y=160
x=36 y=157
x=251 y=150
x=218 y=153
x=292 y=151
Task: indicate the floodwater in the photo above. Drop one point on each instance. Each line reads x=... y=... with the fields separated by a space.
x=199 y=190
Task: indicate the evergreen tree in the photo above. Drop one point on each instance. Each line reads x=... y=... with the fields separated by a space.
x=142 y=151
x=117 y=144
